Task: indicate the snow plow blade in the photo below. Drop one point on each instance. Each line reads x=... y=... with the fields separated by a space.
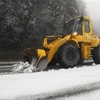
x=38 y=59
x=42 y=63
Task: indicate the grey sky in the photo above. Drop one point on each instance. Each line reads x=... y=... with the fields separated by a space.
x=93 y=6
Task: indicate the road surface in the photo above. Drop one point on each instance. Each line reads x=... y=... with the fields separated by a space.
x=60 y=84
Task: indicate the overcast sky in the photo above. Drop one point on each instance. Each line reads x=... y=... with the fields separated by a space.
x=93 y=6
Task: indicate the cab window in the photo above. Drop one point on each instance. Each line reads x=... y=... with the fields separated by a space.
x=73 y=26
x=79 y=30
x=86 y=26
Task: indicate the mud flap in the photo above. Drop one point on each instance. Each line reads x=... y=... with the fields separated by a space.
x=42 y=63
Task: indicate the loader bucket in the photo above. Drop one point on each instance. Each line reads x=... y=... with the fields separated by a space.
x=36 y=58
x=41 y=61
x=42 y=64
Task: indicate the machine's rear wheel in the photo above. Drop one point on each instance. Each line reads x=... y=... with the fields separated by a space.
x=96 y=55
x=68 y=55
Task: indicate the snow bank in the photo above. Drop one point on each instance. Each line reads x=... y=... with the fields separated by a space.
x=19 y=85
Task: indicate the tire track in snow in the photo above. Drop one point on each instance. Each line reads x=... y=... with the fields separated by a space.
x=64 y=93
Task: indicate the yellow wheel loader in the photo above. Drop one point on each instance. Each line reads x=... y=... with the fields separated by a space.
x=68 y=50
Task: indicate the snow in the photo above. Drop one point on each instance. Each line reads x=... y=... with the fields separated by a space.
x=45 y=82
x=95 y=95
x=24 y=67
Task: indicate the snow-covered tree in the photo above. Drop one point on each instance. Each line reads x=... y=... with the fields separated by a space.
x=24 y=23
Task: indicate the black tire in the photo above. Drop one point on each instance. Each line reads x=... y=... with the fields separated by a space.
x=96 y=55
x=81 y=60
x=26 y=59
x=68 y=55
x=53 y=62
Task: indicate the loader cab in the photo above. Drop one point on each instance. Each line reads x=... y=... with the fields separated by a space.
x=87 y=29
x=74 y=25
x=81 y=25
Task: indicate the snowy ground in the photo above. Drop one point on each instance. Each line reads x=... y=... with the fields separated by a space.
x=52 y=85
x=94 y=95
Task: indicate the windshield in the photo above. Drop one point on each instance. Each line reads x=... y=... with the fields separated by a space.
x=74 y=25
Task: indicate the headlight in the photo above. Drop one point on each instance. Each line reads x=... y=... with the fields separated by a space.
x=74 y=34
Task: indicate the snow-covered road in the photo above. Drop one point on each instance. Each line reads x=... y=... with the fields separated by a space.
x=94 y=95
x=50 y=84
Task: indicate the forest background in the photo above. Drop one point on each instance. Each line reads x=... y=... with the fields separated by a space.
x=24 y=23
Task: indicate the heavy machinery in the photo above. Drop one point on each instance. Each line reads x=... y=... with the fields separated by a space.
x=78 y=44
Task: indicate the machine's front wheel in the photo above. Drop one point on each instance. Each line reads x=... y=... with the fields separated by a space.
x=81 y=60
x=53 y=62
x=96 y=55
x=68 y=55
x=26 y=59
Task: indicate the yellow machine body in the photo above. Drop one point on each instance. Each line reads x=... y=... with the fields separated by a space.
x=86 y=42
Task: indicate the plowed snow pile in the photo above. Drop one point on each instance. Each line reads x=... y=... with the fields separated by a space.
x=23 y=67
x=32 y=84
